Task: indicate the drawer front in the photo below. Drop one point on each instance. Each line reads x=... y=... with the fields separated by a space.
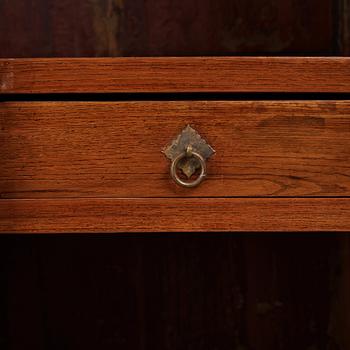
x=114 y=149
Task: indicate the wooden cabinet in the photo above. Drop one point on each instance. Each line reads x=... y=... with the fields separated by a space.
x=82 y=140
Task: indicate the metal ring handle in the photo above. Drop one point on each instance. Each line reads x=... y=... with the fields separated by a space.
x=199 y=179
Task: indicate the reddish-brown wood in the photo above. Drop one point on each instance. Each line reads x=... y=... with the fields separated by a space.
x=266 y=293
x=176 y=74
x=113 y=149
x=174 y=214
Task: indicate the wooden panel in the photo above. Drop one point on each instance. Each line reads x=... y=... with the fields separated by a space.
x=226 y=27
x=80 y=28
x=168 y=291
x=284 y=275
x=340 y=312
x=100 y=284
x=344 y=27
x=71 y=29
x=176 y=214
x=23 y=294
x=50 y=28
x=113 y=149
x=175 y=74
x=24 y=28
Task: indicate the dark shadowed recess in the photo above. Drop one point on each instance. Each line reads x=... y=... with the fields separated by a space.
x=170 y=291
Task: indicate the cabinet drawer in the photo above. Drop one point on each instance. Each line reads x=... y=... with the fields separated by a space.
x=114 y=149
x=84 y=144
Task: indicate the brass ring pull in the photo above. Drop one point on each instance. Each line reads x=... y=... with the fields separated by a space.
x=188 y=153
x=201 y=176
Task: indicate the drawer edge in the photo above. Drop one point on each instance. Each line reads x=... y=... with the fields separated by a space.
x=175 y=74
x=108 y=215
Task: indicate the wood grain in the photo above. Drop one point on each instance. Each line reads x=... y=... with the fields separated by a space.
x=187 y=299
x=80 y=28
x=100 y=283
x=24 y=29
x=289 y=283
x=25 y=312
x=340 y=311
x=168 y=291
x=113 y=149
x=71 y=31
x=344 y=27
x=174 y=214
x=49 y=28
x=175 y=74
x=226 y=27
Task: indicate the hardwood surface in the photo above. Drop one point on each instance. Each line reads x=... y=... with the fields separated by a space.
x=226 y=27
x=175 y=215
x=176 y=74
x=343 y=24
x=80 y=28
x=169 y=291
x=339 y=324
x=174 y=291
x=113 y=149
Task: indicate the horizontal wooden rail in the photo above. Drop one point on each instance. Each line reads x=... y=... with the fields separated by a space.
x=180 y=214
x=176 y=74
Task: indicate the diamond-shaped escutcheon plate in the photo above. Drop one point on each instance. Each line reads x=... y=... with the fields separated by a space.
x=188 y=139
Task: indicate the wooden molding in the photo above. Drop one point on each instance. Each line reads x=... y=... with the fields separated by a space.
x=175 y=214
x=176 y=74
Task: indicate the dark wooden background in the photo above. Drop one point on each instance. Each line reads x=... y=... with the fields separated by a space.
x=77 y=28
x=175 y=291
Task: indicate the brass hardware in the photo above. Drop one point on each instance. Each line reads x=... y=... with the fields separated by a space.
x=188 y=152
